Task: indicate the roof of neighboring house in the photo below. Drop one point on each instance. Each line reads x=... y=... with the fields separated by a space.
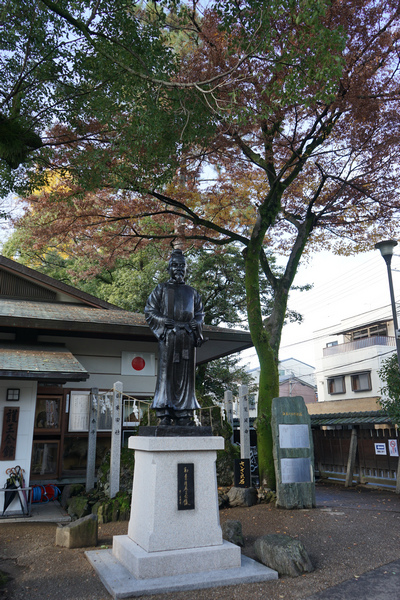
x=286 y=378
x=54 y=363
x=295 y=360
x=356 y=418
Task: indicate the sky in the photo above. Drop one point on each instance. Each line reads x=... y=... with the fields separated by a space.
x=342 y=287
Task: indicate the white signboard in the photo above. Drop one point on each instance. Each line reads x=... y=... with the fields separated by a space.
x=79 y=411
x=294 y=436
x=380 y=448
x=138 y=363
x=393 y=448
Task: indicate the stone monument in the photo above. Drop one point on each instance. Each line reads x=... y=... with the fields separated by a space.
x=293 y=453
x=174 y=540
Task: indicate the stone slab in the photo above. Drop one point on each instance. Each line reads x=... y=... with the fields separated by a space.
x=176 y=444
x=121 y=584
x=174 y=431
x=148 y=565
x=156 y=524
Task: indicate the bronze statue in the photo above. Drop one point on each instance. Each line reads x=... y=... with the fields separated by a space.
x=174 y=312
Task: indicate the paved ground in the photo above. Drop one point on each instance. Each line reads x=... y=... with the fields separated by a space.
x=352 y=538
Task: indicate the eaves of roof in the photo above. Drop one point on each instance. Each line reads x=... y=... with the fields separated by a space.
x=53 y=363
x=354 y=418
x=77 y=320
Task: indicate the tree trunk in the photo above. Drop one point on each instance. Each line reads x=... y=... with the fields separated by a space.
x=268 y=389
x=269 y=377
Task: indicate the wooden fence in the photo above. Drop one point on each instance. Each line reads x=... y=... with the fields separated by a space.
x=332 y=454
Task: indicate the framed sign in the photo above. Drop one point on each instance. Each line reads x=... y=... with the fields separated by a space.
x=47 y=415
x=380 y=448
x=393 y=448
x=79 y=411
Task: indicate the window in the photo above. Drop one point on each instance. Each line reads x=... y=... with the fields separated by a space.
x=361 y=382
x=336 y=385
x=44 y=459
x=331 y=344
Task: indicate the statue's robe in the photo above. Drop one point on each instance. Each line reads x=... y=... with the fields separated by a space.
x=177 y=347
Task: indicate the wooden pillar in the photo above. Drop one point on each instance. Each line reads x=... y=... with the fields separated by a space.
x=91 y=452
x=352 y=458
x=398 y=469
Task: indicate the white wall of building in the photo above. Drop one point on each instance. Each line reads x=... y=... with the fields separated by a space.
x=103 y=360
x=336 y=356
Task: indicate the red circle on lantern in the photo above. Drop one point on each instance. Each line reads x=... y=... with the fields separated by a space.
x=138 y=363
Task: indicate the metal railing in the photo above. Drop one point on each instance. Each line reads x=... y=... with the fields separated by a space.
x=377 y=340
x=209 y=415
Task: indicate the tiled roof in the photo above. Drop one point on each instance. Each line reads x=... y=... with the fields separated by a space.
x=48 y=312
x=40 y=361
x=67 y=312
x=354 y=418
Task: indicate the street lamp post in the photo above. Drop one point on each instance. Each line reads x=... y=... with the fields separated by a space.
x=386 y=249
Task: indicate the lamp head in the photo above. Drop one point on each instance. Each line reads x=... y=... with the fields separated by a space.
x=386 y=247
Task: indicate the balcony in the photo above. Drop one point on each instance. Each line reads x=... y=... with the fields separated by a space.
x=377 y=340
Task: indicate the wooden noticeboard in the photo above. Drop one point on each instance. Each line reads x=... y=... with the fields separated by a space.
x=9 y=433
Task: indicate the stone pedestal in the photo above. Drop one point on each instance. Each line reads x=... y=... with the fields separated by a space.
x=156 y=523
x=174 y=539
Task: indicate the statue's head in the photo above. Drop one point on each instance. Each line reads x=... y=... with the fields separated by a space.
x=177 y=266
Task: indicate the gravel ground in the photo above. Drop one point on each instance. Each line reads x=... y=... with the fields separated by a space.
x=349 y=533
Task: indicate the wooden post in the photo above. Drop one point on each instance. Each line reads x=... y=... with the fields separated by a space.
x=228 y=406
x=244 y=422
x=115 y=458
x=398 y=476
x=352 y=458
x=91 y=452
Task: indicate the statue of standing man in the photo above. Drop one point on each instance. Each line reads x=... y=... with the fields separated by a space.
x=174 y=312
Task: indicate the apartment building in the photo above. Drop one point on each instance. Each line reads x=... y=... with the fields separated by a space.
x=349 y=356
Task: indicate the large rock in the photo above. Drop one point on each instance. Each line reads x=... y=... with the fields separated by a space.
x=72 y=489
x=81 y=533
x=283 y=554
x=232 y=532
x=78 y=507
x=242 y=496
